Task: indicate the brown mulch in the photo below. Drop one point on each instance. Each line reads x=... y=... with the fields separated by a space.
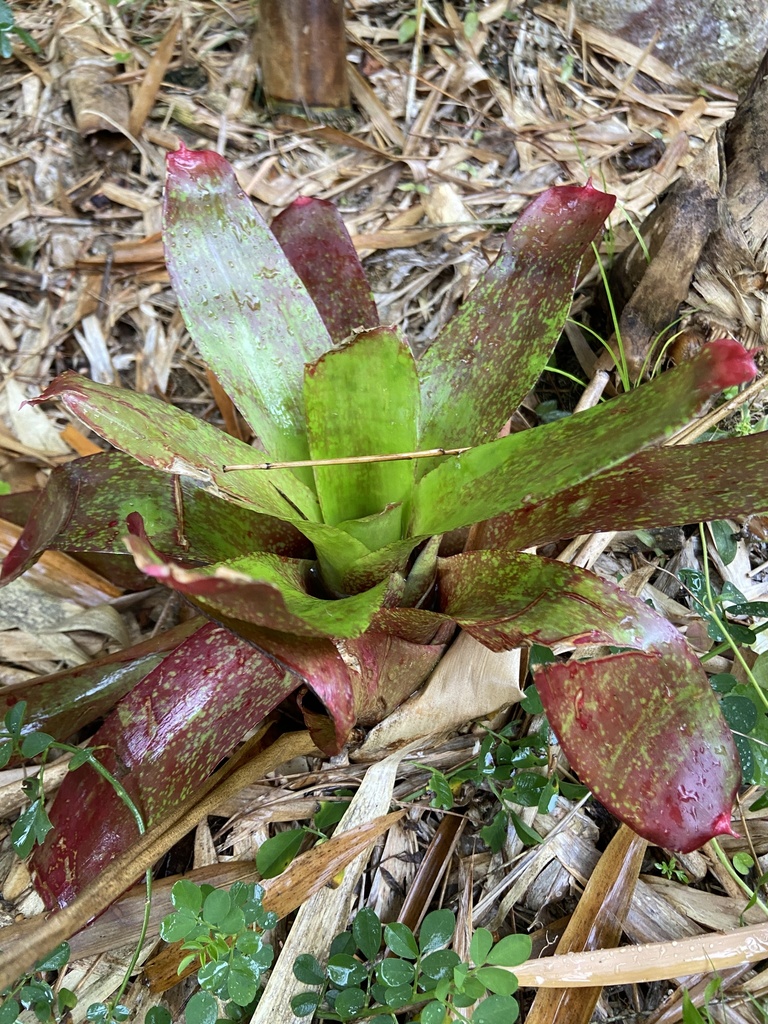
x=500 y=100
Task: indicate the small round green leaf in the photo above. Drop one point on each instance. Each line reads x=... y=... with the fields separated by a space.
x=202 y=1008
x=436 y=930
x=393 y=972
x=398 y=995
x=307 y=970
x=242 y=983
x=179 y=925
x=343 y=943
x=9 y=1011
x=497 y=980
x=400 y=940
x=305 y=1003
x=55 y=960
x=739 y=712
x=480 y=946
x=216 y=907
x=213 y=976
x=510 y=951
x=440 y=964
x=344 y=971
x=433 y=1013
x=35 y=743
x=14 y=718
x=349 y=1003
x=496 y=1010
x=158 y=1015
x=233 y=923
x=6 y=749
x=366 y=930
x=186 y=894
x=276 y=853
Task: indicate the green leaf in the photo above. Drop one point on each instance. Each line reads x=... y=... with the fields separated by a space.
x=496 y=1010
x=440 y=964
x=344 y=971
x=436 y=930
x=528 y=835
x=35 y=743
x=14 y=718
x=304 y=1004
x=32 y=826
x=510 y=951
x=158 y=1015
x=216 y=907
x=366 y=930
x=493 y=835
x=398 y=995
x=531 y=702
x=393 y=972
x=9 y=1011
x=441 y=788
x=67 y=1000
x=307 y=970
x=725 y=540
x=55 y=960
x=480 y=946
x=506 y=474
x=349 y=1003
x=247 y=311
x=399 y=938
x=740 y=713
x=377 y=415
x=185 y=894
x=330 y=813
x=492 y=352
x=213 y=975
x=275 y=854
x=312 y=235
x=175 y=927
x=496 y=980
x=242 y=983
x=202 y=1008
x=6 y=750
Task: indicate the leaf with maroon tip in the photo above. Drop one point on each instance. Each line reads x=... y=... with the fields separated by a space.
x=645 y=733
x=261 y=588
x=643 y=729
x=162 y=741
x=313 y=236
x=244 y=304
x=493 y=350
x=86 y=502
x=164 y=437
x=533 y=465
x=658 y=487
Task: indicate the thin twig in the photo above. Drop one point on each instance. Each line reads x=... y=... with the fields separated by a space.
x=351 y=460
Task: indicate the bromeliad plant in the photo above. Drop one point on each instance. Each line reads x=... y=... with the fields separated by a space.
x=317 y=566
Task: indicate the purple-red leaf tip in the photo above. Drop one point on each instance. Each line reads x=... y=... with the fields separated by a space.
x=729 y=363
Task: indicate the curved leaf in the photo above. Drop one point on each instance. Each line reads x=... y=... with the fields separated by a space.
x=86 y=502
x=162 y=741
x=244 y=304
x=362 y=399
x=643 y=729
x=313 y=236
x=493 y=350
x=529 y=467
x=261 y=588
x=166 y=438
x=645 y=733
x=658 y=487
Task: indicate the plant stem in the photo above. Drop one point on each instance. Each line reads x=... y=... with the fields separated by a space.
x=722 y=857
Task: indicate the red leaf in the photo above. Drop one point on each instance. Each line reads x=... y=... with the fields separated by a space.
x=313 y=236
x=645 y=733
x=161 y=741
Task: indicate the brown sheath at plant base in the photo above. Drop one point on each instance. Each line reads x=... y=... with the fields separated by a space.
x=304 y=58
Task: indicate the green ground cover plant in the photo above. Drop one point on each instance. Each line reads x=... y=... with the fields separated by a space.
x=315 y=558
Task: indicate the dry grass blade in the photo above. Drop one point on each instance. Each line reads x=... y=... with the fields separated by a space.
x=596 y=923
x=153 y=76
